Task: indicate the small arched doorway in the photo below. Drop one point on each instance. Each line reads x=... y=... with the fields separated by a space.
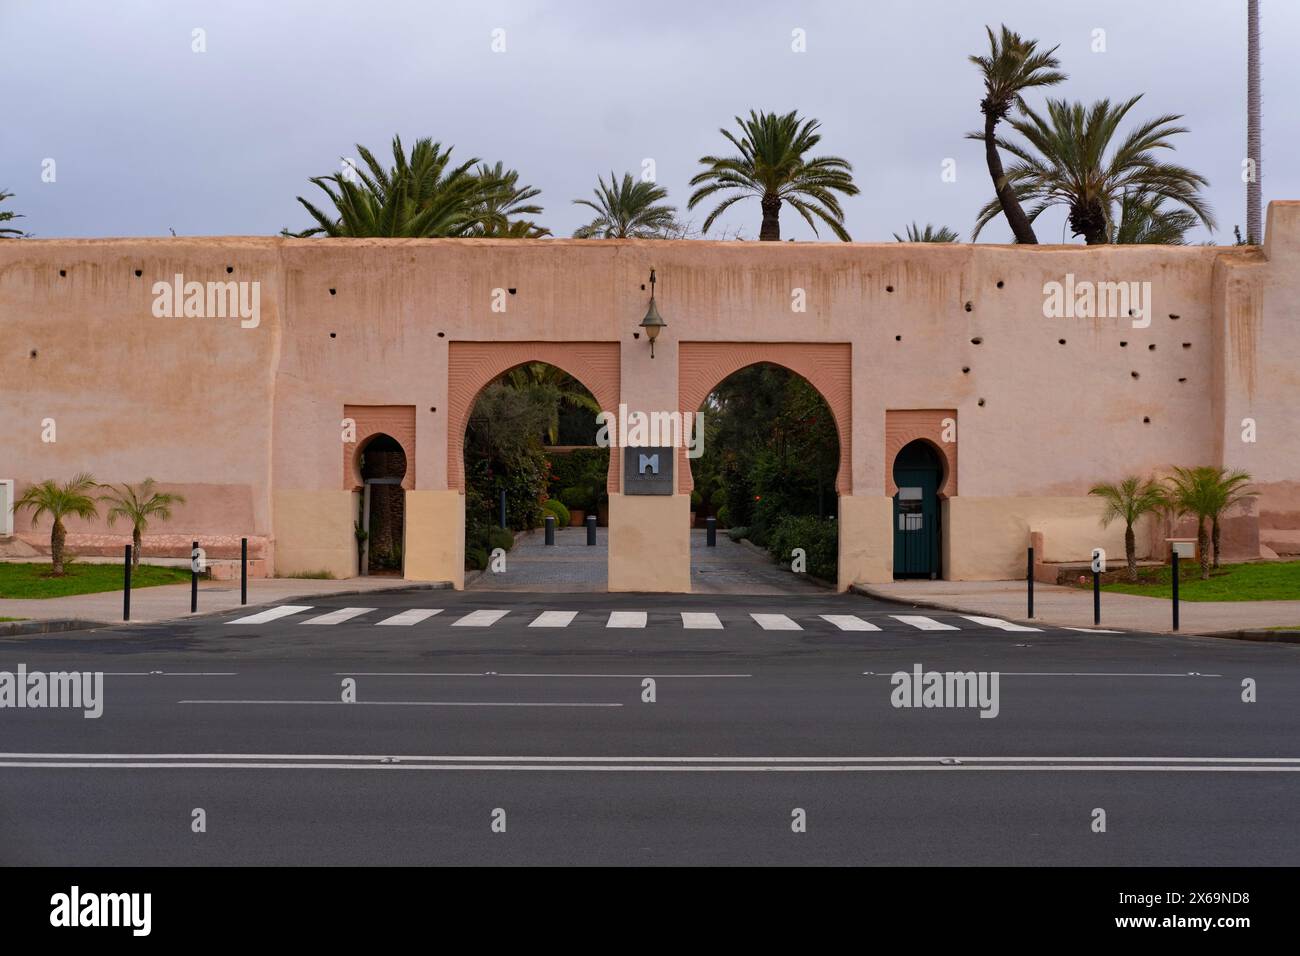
x=918 y=474
x=382 y=464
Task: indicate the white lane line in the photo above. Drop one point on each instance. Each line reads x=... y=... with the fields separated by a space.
x=626 y=619
x=480 y=619
x=554 y=619
x=1066 y=674
x=775 y=622
x=701 y=621
x=586 y=758
x=410 y=703
x=998 y=622
x=504 y=674
x=339 y=616
x=272 y=614
x=849 y=622
x=170 y=673
x=660 y=768
x=923 y=623
x=414 y=616
x=1091 y=630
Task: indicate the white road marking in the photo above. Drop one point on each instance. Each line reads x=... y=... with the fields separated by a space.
x=998 y=622
x=626 y=619
x=1092 y=630
x=775 y=622
x=849 y=622
x=339 y=616
x=923 y=623
x=701 y=621
x=411 y=703
x=1067 y=674
x=480 y=619
x=554 y=619
x=414 y=616
x=272 y=614
x=503 y=758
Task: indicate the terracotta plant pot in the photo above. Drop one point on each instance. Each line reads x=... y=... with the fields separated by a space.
x=577 y=518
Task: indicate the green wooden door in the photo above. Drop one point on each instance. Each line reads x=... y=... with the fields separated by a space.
x=917 y=473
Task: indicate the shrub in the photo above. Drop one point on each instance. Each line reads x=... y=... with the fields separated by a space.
x=500 y=538
x=476 y=557
x=818 y=537
x=556 y=507
x=735 y=534
x=723 y=514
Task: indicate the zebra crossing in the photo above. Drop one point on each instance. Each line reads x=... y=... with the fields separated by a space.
x=626 y=620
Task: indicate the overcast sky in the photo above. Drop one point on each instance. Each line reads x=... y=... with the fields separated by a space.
x=148 y=135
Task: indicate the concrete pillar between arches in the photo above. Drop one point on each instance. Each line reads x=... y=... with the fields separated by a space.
x=434 y=537
x=866 y=540
x=650 y=543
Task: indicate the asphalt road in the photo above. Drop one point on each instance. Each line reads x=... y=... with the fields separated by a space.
x=456 y=726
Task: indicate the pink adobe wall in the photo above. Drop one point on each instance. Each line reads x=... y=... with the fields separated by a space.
x=396 y=421
x=903 y=426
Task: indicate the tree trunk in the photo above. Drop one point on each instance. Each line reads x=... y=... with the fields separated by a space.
x=135 y=549
x=1130 y=552
x=1016 y=217
x=1214 y=537
x=58 y=534
x=1089 y=221
x=771 y=231
x=1203 y=543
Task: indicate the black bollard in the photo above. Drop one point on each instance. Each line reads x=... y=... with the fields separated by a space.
x=711 y=532
x=550 y=529
x=1175 y=583
x=591 y=529
x=1096 y=597
x=126 y=586
x=243 y=570
x=1029 y=578
x=194 y=578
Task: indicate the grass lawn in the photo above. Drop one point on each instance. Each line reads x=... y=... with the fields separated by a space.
x=7 y=620
x=1271 y=581
x=32 y=581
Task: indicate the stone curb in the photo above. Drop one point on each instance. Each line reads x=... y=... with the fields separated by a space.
x=871 y=592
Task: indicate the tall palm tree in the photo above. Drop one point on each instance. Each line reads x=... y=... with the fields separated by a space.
x=421 y=196
x=570 y=391
x=7 y=215
x=1012 y=66
x=505 y=204
x=1196 y=492
x=1143 y=220
x=634 y=209
x=772 y=165
x=72 y=498
x=1229 y=493
x=928 y=234
x=137 y=504
x=1128 y=501
x=1254 y=220
x=1069 y=160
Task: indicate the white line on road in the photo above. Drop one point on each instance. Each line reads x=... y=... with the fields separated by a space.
x=407 y=618
x=997 y=622
x=170 y=673
x=273 y=614
x=923 y=623
x=626 y=619
x=849 y=622
x=554 y=619
x=775 y=622
x=339 y=616
x=480 y=619
x=700 y=621
x=1091 y=630
x=767 y=759
x=410 y=703
x=506 y=674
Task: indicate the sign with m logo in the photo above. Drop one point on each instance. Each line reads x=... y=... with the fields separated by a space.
x=648 y=471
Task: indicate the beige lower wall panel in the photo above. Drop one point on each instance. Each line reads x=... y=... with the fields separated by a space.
x=866 y=540
x=985 y=538
x=650 y=543
x=313 y=532
x=434 y=543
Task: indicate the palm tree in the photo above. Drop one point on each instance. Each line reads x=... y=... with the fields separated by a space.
x=1144 y=221
x=929 y=234
x=8 y=216
x=137 y=504
x=569 y=390
x=1229 y=493
x=72 y=498
x=1128 y=501
x=423 y=196
x=501 y=209
x=633 y=209
x=1254 y=222
x=1012 y=66
x=772 y=166
x=1065 y=164
x=1196 y=492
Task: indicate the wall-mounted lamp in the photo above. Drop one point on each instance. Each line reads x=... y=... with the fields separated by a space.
x=653 y=321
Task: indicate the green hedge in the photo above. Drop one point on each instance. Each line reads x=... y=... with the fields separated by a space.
x=819 y=538
x=556 y=507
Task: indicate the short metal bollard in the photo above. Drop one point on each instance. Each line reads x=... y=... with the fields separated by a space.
x=1174 y=579
x=591 y=529
x=1096 y=597
x=243 y=570
x=1029 y=578
x=126 y=586
x=711 y=532
x=194 y=578
x=550 y=529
